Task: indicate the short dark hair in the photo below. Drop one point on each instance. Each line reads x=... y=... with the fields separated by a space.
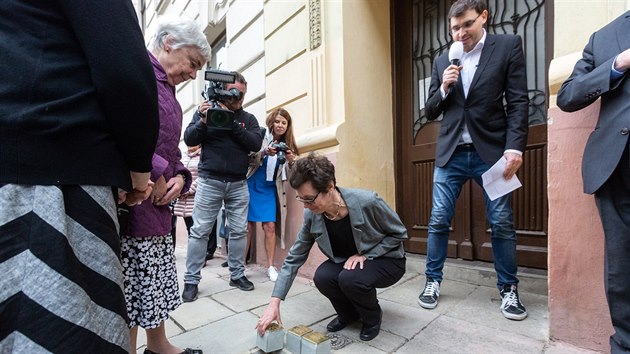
x=459 y=7
x=238 y=77
x=313 y=168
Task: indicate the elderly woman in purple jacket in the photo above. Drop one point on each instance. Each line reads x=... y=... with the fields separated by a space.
x=177 y=51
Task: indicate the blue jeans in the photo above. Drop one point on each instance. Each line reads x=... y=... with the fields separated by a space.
x=447 y=184
x=210 y=196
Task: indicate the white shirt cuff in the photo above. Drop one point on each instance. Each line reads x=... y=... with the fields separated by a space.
x=514 y=151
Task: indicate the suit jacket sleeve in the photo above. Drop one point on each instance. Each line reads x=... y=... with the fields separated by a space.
x=587 y=82
x=121 y=73
x=298 y=254
x=435 y=104
x=516 y=99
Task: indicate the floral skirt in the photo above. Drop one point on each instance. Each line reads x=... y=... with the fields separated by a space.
x=151 y=289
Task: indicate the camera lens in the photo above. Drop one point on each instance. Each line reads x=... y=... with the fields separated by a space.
x=282 y=157
x=219 y=118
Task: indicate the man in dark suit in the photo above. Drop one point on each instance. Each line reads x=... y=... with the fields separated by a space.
x=477 y=130
x=606 y=163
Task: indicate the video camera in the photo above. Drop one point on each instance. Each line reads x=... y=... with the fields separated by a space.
x=218 y=117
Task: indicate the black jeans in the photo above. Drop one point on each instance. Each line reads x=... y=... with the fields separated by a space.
x=188 y=220
x=353 y=292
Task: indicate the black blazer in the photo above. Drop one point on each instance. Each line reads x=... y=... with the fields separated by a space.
x=589 y=81
x=493 y=125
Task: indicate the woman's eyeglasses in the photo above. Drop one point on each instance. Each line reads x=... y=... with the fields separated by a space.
x=307 y=200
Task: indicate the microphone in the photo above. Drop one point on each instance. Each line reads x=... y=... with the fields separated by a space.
x=455 y=57
x=455 y=53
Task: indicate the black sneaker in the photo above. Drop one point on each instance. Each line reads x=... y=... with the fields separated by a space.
x=224 y=264
x=242 y=283
x=430 y=295
x=511 y=305
x=190 y=293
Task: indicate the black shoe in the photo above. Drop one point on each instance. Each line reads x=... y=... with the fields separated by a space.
x=337 y=324
x=242 y=283
x=209 y=256
x=430 y=295
x=190 y=293
x=511 y=305
x=224 y=264
x=370 y=332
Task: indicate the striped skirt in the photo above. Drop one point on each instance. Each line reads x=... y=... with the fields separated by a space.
x=61 y=277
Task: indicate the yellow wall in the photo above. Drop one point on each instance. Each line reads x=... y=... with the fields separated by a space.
x=339 y=93
x=575 y=20
x=366 y=138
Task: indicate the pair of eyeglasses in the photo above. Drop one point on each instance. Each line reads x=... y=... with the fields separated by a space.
x=307 y=200
x=465 y=25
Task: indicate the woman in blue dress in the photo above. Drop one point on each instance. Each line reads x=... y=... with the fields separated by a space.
x=267 y=173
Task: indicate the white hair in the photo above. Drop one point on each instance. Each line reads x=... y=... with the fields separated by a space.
x=179 y=32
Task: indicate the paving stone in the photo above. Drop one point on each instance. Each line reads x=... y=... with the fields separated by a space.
x=233 y=334
x=467 y=319
x=195 y=314
x=452 y=335
x=554 y=347
x=451 y=293
x=386 y=341
x=482 y=307
x=405 y=321
x=239 y=300
x=303 y=309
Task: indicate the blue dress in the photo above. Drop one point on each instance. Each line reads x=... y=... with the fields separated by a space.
x=262 y=196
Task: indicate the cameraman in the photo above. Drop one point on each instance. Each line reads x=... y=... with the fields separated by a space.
x=222 y=172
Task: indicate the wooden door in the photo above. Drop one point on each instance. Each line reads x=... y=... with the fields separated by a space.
x=419 y=35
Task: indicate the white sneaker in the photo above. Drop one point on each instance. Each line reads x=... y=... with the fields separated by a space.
x=430 y=295
x=272 y=273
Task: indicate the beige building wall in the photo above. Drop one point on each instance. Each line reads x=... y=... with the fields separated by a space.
x=339 y=93
x=329 y=64
x=578 y=311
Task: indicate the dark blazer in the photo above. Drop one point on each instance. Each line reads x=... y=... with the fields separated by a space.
x=376 y=229
x=493 y=126
x=78 y=102
x=589 y=81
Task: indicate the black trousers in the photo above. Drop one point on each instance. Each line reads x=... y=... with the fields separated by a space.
x=188 y=220
x=212 y=240
x=353 y=292
x=613 y=203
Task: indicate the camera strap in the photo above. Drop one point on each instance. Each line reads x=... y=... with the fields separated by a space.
x=271 y=167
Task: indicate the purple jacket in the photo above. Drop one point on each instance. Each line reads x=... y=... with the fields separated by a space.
x=147 y=219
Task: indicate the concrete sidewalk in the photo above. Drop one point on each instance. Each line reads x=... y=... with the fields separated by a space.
x=467 y=319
